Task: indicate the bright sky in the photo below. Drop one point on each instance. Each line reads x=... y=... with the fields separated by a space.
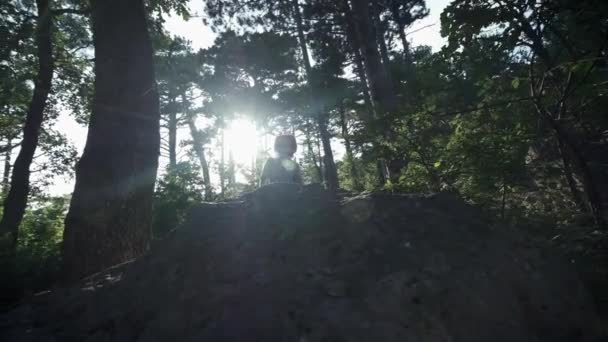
x=241 y=136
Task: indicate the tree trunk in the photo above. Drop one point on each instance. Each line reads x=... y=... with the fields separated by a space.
x=173 y=135
x=231 y=169
x=379 y=31
x=110 y=212
x=320 y=158
x=381 y=172
x=593 y=197
x=6 y=175
x=367 y=99
x=401 y=29
x=199 y=149
x=312 y=155
x=331 y=172
x=222 y=170
x=16 y=199
x=569 y=174
x=355 y=46
x=569 y=144
x=354 y=175
x=575 y=155
x=302 y=39
x=354 y=41
x=382 y=90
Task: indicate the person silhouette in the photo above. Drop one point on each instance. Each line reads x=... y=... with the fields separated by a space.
x=282 y=169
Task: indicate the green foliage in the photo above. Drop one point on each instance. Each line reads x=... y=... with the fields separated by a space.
x=38 y=260
x=510 y=114
x=246 y=73
x=177 y=191
x=40 y=237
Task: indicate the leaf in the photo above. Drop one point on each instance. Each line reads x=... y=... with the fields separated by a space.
x=515 y=83
x=437 y=164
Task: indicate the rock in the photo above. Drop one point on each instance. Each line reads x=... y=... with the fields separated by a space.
x=291 y=264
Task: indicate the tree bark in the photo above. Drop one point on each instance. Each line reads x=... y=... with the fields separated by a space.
x=320 y=157
x=382 y=90
x=401 y=29
x=16 y=199
x=572 y=151
x=302 y=39
x=331 y=173
x=379 y=31
x=574 y=154
x=569 y=174
x=354 y=41
x=173 y=135
x=231 y=169
x=222 y=170
x=593 y=197
x=110 y=212
x=569 y=145
x=6 y=175
x=354 y=175
x=367 y=98
x=199 y=149
x=355 y=46
x=312 y=155
x=381 y=172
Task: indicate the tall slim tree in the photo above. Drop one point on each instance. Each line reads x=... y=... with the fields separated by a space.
x=172 y=125
x=350 y=159
x=222 y=164
x=331 y=172
x=403 y=14
x=355 y=48
x=379 y=30
x=310 y=150
x=199 y=150
x=382 y=91
x=110 y=212
x=394 y=5
x=6 y=172
x=16 y=200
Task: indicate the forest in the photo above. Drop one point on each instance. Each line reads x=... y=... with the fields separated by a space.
x=509 y=115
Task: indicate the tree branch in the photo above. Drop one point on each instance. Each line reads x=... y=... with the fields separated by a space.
x=76 y=11
x=487 y=106
x=10 y=147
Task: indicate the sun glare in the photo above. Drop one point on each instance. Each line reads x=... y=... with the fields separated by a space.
x=241 y=139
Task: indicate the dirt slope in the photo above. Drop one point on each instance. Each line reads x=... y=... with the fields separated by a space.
x=288 y=265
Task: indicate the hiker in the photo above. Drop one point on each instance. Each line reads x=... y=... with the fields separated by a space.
x=282 y=169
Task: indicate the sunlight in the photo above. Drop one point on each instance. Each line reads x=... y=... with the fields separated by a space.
x=241 y=139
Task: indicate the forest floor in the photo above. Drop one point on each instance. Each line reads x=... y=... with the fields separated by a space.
x=585 y=248
x=290 y=265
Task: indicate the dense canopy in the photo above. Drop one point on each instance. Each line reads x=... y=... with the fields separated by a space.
x=509 y=114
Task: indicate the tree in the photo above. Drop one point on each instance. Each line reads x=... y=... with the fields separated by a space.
x=404 y=13
x=561 y=46
x=350 y=159
x=176 y=71
x=331 y=172
x=381 y=87
x=177 y=191
x=198 y=146
x=109 y=219
x=16 y=199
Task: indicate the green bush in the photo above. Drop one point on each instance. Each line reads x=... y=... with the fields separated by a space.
x=176 y=192
x=38 y=260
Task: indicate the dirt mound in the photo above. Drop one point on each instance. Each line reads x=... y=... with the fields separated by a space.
x=289 y=265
